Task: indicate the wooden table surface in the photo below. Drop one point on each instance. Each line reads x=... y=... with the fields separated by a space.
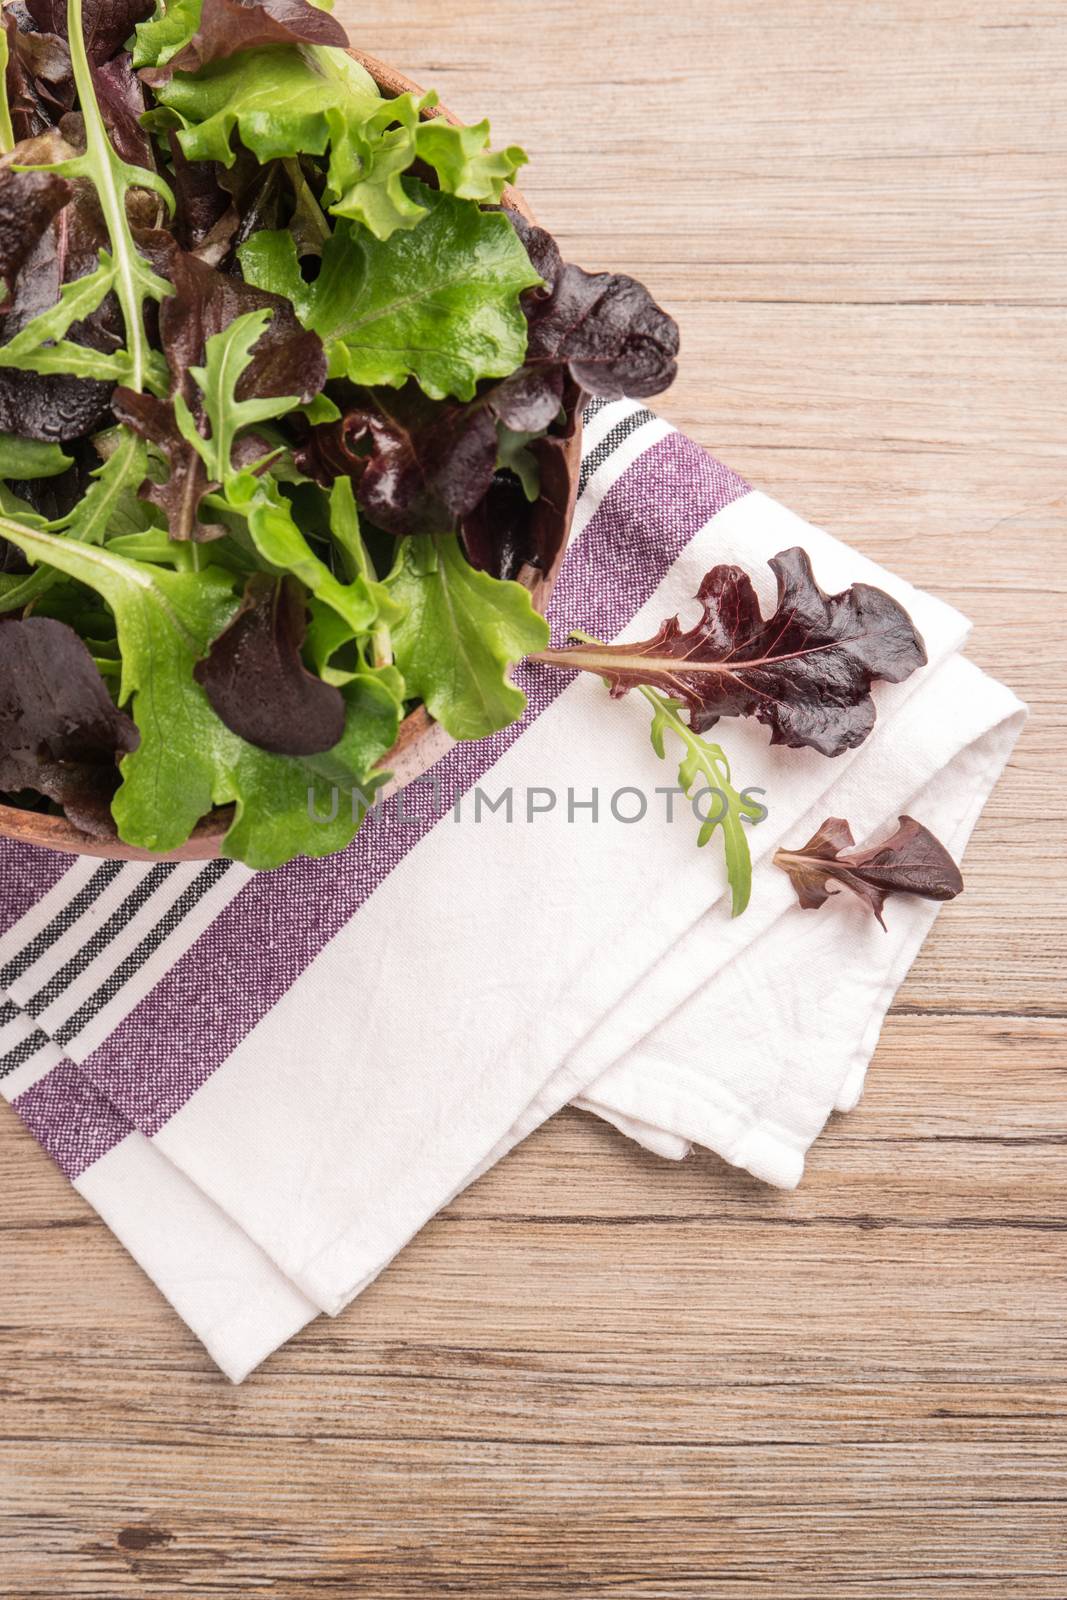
x=598 y=1373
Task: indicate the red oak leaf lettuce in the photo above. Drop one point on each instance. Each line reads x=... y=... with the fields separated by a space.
x=805 y=672
x=421 y=466
x=507 y=530
x=604 y=326
x=910 y=861
x=29 y=201
x=120 y=95
x=39 y=81
x=56 y=406
x=106 y=24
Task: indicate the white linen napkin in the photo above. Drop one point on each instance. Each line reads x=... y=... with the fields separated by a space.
x=267 y=1083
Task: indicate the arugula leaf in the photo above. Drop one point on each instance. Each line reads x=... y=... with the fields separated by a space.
x=108 y=502
x=40 y=346
x=31 y=458
x=7 y=133
x=706 y=765
x=188 y=760
x=252 y=365
x=186 y=484
x=124 y=270
x=440 y=305
x=227 y=355
x=459 y=633
x=280 y=542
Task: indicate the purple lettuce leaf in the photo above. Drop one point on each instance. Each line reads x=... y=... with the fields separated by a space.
x=805 y=671
x=605 y=327
x=257 y=683
x=54 y=406
x=60 y=733
x=229 y=26
x=421 y=466
x=200 y=199
x=106 y=24
x=910 y=861
x=29 y=203
x=39 y=80
x=506 y=531
x=120 y=96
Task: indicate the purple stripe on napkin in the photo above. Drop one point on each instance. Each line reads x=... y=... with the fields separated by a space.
x=70 y=1119
x=259 y=945
x=26 y=873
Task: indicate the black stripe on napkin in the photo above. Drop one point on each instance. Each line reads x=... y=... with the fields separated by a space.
x=610 y=443
x=24 y=1051
x=151 y=942
x=134 y=902
x=64 y=919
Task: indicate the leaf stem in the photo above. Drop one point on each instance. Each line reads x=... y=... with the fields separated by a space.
x=7 y=132
x=103 y=165
x=99 y=153
x=701 y=758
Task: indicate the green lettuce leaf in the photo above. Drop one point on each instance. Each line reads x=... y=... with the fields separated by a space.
x=286 y=103
x=459 y=633
x=280 y=102
x=440 y=305
x=281 y=543
x=368 y=162
x=31 y=458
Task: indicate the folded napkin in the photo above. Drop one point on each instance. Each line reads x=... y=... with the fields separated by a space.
x=266 y=1083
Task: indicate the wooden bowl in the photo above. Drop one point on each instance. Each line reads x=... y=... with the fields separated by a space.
x=420 y=742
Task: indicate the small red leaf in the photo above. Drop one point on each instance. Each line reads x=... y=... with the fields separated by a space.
x=910 y=861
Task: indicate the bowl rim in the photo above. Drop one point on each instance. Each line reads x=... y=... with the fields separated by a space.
x=421 y=741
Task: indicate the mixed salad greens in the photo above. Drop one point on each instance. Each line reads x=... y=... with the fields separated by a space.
x=286 y=391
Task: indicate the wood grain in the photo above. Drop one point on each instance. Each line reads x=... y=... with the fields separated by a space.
x=598 y=1373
